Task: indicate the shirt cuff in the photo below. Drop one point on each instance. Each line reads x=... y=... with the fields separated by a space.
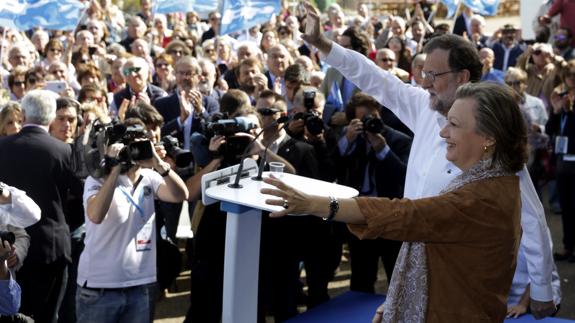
x=203 y=114
x=383 y=153
x=343 y=145
x=541 y=293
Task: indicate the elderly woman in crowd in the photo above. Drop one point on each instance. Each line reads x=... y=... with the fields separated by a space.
x=441 y=273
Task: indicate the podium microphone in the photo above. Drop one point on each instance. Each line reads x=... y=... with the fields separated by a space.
x=236 y=183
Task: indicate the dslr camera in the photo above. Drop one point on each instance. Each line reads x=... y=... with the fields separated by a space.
x=371 y=124
x=311 y=118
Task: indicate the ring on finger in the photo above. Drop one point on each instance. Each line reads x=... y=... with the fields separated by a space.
x=285 y=205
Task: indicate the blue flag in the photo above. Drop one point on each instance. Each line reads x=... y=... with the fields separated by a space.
x=48 y=14
x=240 y=15
x=451 y=7
x=199 y=6
x=483 y=7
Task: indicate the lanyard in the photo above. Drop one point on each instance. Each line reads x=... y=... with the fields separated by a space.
x=136 y=205
x=563 y=123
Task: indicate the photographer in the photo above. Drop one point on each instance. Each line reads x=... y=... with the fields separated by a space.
x=117 y=271
x=307 y=126
x=224 y=142
x=375 y=160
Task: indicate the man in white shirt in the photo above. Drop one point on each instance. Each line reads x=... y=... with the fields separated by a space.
x=451 y=62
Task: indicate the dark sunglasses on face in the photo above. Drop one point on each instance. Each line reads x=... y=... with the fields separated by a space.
x=32 y=80
x=513 y=83
x=267 y=111
x=130 y=70
x=55 y=50
x=19 y=83
x=537 y=52
x=161 y=65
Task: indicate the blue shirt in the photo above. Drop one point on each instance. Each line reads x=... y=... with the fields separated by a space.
x=9 y=297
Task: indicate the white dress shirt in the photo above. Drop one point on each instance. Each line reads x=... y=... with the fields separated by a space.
x=428 y=172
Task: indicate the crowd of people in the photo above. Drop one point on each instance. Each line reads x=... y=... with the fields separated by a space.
x=450 y=136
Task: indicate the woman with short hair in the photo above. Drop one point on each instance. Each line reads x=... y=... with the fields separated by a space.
x=460 y=249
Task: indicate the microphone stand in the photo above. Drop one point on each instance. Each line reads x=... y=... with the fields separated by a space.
x=262 y=164
x=236 y=183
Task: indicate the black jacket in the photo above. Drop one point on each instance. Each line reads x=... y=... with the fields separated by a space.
x=153 y=92
x=39 y=164
x=388 y=174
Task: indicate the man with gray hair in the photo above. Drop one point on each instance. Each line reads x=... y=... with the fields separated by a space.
x=45 y=161
x=136 y=70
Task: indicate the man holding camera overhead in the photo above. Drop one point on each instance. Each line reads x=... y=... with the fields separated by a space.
x=117 y=270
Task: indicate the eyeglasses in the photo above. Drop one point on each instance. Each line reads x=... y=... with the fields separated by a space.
x=513 y=83
x=386 y=59
x=130 y=70
x=267 y=111
x=185 y=73
x=537 y=52
x=32 y=80
x=431 y=76
x=19 y=83
x=176 y=52
x=161 y=65
x=98 y=99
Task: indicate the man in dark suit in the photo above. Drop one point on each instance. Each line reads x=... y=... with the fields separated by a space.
x=39 y=164
x=184 y=110
x=277 y=62
x=507 y=46
x=375 y=163
x=136 y=71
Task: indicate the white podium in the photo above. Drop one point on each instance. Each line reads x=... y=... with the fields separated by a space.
x=244 y=206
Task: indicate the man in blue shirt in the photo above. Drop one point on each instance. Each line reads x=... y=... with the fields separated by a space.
x=9 y=288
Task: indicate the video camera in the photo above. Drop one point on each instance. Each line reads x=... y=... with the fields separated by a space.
x=101 y=135
x=234 y=145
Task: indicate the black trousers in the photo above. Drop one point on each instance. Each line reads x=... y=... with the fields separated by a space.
x=365 y=256
x=43 y=287
x=566 y=191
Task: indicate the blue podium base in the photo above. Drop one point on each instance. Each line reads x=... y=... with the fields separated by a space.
x=355 y=307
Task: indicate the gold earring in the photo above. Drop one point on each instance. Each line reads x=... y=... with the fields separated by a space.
x=485 y=148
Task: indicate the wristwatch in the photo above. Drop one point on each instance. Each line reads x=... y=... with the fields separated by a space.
x=333 y=208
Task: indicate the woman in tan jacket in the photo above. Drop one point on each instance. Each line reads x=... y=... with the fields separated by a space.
x=458 y=259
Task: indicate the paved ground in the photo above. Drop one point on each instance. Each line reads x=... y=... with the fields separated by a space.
x=173 y=307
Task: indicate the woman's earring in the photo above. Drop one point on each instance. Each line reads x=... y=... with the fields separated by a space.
x=485 y=148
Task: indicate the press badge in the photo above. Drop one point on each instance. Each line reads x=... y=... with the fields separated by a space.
x=561 y=143
x=144 y=237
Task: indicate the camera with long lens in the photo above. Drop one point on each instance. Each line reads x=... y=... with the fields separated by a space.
x=371 y=124
x=311 y=118
x=234 y=146
x=182 y=157
x=7 y=236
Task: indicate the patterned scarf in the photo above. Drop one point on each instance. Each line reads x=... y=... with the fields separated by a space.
x=407 y=294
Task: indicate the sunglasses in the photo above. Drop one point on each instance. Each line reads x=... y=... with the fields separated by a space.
x=537 y=52
x=513 y=83
x=267 y=111
x=32 y=80
x=19 y=83
x=560 y=37
x=161 y=65
x=130 y=70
